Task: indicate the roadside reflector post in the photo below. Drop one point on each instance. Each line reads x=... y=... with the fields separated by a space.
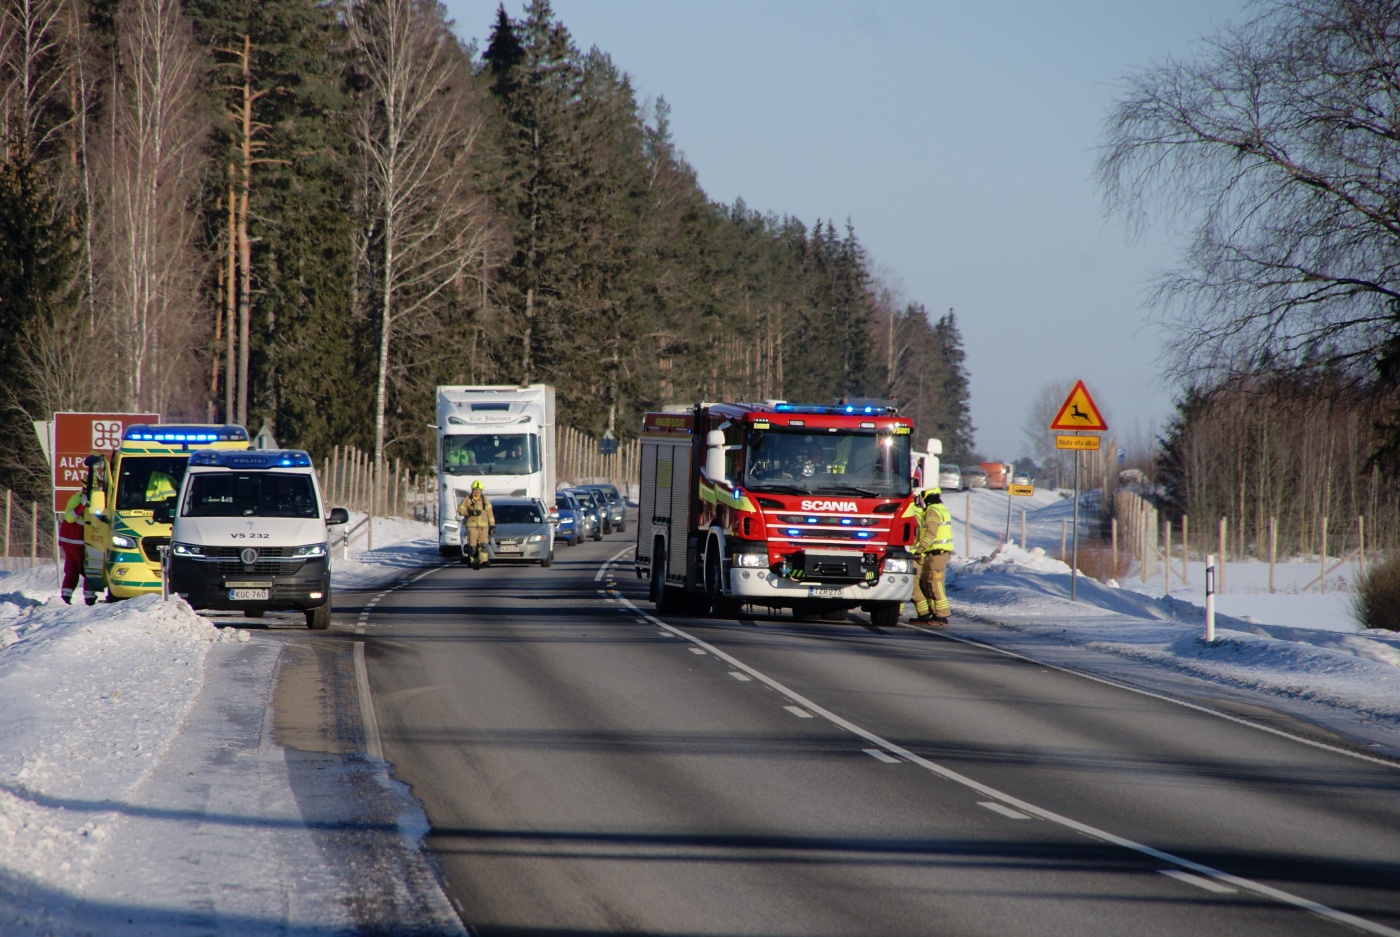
x=1210 y=599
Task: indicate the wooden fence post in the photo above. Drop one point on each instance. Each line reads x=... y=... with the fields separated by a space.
x=1220 y=569
x=1113 y=536
x=1322 y=557
x=1167 y=557
x=33 y=535
x=8 y=495
x=1361 y=546
x=1273 y=549
x=1185 y=550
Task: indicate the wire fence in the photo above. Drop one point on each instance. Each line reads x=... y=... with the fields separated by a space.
x=29 y=535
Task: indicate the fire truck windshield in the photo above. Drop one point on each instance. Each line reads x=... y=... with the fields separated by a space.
x=819 y=461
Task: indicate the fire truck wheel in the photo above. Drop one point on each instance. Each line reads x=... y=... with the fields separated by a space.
x=721 y=605
x=885 y=615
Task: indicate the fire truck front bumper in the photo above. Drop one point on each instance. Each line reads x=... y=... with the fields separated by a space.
x=764 y=585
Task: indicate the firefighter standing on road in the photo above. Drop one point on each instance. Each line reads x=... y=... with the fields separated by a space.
x=932 y=550
x=478 y=521
x=70 y=538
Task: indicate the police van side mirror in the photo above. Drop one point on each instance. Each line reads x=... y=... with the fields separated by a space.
x=338 y=516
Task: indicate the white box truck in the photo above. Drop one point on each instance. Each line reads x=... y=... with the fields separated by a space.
x=502 y=436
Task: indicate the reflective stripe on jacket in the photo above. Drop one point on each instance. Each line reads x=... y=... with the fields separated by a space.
x=936 y=532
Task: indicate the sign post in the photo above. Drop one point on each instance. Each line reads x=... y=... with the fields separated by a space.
x=1077 y=414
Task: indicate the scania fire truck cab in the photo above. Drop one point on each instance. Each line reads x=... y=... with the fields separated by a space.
x=780 y=505
x=125 y=487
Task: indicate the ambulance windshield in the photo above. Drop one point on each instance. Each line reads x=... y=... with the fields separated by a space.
x=820 y=461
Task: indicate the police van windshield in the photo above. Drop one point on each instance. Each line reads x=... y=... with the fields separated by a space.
x=490 y=454
x=818 y=461
x=147 y=481
x=250 y=494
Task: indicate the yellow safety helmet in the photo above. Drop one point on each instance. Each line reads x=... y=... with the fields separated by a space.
x=477 y=485
x=929 y=493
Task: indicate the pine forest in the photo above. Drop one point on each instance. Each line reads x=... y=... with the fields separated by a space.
x=305 y=215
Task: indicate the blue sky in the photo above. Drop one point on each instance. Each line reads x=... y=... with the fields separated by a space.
x=958 y=138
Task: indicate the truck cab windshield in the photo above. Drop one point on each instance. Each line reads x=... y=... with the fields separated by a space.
x=147 y=481
x=821 y=462
x=250 y=494
x=491 y=454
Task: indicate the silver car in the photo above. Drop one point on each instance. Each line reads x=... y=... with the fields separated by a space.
x=523 y=531
x=950 y=478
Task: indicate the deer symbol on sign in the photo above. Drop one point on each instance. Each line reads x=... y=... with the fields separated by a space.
x=1077 y=413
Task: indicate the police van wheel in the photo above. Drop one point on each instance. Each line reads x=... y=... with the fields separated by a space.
x=319 y=618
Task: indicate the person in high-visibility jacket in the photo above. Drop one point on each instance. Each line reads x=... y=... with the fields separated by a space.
x=932 y=549
x=70 y=540
x=159 y=487
x=478 y=520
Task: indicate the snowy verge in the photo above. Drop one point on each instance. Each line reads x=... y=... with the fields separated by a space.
x=1354 y=672
x=92 y=701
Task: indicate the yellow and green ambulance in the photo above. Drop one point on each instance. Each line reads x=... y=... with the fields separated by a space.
x=125 y=486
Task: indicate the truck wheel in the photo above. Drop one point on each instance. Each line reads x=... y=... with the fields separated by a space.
x=721 y=605
x=319 y=618
x=885 y=615
x=836 y=615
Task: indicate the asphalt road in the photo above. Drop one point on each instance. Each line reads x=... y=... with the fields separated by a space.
x=588 y=768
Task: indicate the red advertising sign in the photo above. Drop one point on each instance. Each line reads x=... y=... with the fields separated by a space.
x=77 y=436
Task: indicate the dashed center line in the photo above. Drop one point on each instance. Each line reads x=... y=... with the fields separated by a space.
x=879 y=755
x=741 y=677
x=1004 y=810
x=799 y=712
x=1199 y=881
x=696 y=650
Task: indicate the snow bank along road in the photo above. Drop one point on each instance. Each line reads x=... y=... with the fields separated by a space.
x=588 y=767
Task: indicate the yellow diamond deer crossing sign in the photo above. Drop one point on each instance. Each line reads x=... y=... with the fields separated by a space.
x=1079 y=412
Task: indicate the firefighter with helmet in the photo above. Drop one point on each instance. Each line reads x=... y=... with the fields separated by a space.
x=478 y=521
x=932 y=550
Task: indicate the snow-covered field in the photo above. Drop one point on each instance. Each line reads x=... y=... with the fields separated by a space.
x=134 y=797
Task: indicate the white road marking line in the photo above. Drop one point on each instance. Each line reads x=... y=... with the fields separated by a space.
x=799 y=712
x=879 y=755
x=1159 y=696
x=667 y=634
x=696 y=650
x=1244 y=884
x=372 y=747
x=1198 y=881
x=741 y=677
x=1004 y=810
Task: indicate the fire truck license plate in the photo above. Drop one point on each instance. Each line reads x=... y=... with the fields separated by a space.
x=246 y=595
x=820 y=593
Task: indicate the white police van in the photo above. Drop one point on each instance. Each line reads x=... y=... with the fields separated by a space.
x=250 y=534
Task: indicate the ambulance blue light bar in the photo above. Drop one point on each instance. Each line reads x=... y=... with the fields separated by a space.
x=849 y=409
x=252 y=458
x=142 y=432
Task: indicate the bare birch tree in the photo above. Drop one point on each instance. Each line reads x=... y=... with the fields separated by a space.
x=151 y=160
x=1278 y=147
x=416 y=135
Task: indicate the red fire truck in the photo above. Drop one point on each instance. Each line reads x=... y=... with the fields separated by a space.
x=780 y=505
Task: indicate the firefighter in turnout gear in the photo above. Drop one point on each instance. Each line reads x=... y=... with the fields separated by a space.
x=932 y=550
x=70 y=538
x=478 y=521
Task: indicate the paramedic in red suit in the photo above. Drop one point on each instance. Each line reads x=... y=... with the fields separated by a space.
x=70 y=539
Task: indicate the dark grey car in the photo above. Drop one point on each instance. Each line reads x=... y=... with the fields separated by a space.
x=616 y=507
